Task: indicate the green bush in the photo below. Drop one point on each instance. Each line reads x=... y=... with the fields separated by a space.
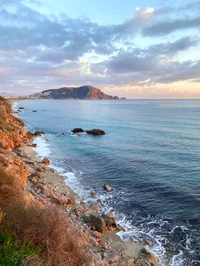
x=13 y=253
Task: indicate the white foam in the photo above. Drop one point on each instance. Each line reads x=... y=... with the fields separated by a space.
x=177 y=259
x=43 y=147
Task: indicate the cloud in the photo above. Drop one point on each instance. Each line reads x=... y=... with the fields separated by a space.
x=173 y=47
x=38 y=51
x=166 y=27
x=126 y=62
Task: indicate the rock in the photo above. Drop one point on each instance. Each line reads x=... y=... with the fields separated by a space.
x=86 y=233
x=111 y=256
x=148 y=242
x=121 y=228
x=33 y=180
x=95 y=131
x=107 y=187
x=110 y=222
x=21 y=107
x=93 y=193
x=149 y=256
x=45 y=161
x=96 y=234
x=45 y=190
x=94 y=207
x=76 y=212
x=61 y=200
x=100 y=223
x=34 y=145
x=97 y=223
x=34 y=111
x=127 y=262
x=38 y=133
x=77 y=130
x=111 y=215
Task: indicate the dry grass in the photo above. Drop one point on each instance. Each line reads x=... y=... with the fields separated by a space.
x=47 y=228
x=11 y=191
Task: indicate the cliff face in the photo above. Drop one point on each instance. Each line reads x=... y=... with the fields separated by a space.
x=83 y=92
x=12 y=132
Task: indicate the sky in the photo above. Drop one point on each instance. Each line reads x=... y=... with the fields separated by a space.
x=134 y=49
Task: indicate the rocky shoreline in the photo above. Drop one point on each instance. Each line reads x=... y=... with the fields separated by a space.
x=48 y=187
x=44 y=186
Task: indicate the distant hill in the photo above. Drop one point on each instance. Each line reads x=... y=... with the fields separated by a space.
x=83 y=92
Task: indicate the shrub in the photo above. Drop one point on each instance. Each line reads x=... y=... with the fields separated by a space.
x=49 y=229
x=11 y=191
x=15 y=254
x=28 y=227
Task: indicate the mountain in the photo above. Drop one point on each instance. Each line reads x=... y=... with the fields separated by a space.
x=84 y=92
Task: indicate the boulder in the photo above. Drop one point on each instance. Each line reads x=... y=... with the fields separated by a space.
x=110 y=222
x=45 y=161
x=77 y=130
x=107 y=187
x=95 y=131
x=62 y=200
x=148 y=256
x=96 y=222
x=100 y=223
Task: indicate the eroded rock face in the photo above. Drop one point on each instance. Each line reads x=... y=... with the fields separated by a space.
x=95 y=131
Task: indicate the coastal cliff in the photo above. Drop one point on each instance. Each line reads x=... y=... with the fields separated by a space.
x=41 y=221
x=84 y=92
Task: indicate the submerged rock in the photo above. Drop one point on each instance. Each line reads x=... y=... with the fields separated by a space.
x=95 y=131
x=77 y=130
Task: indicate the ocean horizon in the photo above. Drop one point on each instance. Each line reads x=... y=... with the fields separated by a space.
x=149 y=155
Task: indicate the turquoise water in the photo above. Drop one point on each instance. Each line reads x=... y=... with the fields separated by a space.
x=150 y=155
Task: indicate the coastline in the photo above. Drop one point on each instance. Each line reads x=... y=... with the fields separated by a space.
x=43 y=182
x=47 y=187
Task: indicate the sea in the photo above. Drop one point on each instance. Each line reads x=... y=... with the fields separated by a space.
x=150 y=156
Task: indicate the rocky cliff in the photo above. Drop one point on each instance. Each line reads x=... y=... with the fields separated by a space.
x=12 y=131
x=83 y=92
x=12 y=135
